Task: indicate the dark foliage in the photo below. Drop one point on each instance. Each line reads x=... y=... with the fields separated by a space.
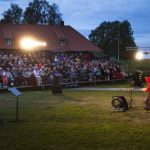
x=113 y=36
x=37 y=12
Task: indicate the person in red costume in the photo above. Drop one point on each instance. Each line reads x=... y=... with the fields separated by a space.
x=148 y=91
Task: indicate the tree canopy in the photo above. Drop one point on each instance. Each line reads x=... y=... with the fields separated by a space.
x=113 y=37
x=13 y=15
x=37 y=12
x=40 y=12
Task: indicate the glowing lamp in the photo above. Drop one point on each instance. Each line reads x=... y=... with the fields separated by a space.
x=139 y=56
x=29 y=43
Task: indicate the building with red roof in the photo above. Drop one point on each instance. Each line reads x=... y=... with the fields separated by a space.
x=57 y=38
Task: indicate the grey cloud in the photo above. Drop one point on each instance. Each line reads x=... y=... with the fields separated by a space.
x=85 y=15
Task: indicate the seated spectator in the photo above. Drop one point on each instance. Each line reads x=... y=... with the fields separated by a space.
x=31 y=80
x=4 y=79
x=15 y=76
x=9 y=77
x=1 y=75
x=37 y=74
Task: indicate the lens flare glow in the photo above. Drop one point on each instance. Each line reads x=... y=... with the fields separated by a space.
x=139 y=56
x=29 y=43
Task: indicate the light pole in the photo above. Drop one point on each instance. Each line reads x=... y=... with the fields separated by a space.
x=118 y=41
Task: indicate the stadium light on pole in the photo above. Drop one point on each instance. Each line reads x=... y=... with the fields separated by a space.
x=139 y=56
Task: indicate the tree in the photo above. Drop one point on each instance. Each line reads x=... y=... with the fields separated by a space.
x=113 y=36
x=41 y=12
x=13 y=15
x=55 y=17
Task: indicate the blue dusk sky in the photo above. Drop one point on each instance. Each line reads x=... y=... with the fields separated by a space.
x=86 y=15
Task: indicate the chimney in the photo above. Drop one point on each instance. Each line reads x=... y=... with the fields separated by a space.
x=62 y=23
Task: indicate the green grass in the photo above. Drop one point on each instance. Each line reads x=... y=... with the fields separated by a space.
x=118 y=85
x=125 y=84
x=75 y=120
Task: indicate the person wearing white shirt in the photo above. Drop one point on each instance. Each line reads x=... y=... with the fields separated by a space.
x=37 y=74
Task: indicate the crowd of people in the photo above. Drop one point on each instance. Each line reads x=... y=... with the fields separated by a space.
x=38 y=68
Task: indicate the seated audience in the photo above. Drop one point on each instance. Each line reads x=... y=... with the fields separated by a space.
x=37 y=68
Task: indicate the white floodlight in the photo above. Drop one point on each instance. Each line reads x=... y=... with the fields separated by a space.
x=139 y=55
x=29 y=43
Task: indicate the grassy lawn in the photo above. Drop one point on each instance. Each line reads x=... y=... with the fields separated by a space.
x=75 y=120
x=118 y=85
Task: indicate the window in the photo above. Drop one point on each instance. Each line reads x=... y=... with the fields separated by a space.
x=7 y=37
x=62 y=42
x=8 y=42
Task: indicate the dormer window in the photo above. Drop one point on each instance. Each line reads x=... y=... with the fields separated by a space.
x=7 y=37
x=60 y=37
x=62 y=42
x=8 y=42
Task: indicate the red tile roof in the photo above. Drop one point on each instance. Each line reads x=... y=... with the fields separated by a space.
x=46 y=33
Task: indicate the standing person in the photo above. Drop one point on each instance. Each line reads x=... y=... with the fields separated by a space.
x=148 y=91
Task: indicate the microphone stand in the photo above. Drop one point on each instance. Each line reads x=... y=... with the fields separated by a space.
x=131 y=94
